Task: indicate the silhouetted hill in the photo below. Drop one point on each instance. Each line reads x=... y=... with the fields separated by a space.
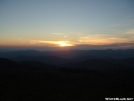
x=44 y=59
x=27 y=65
x=109 y=67
x=35 y=65
x=127 y=61
x=95 y=64
x=6 y=63
x=89 y=80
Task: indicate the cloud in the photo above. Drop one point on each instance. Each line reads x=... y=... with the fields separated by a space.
x=33 y=42
x=58 y=33
x=52 y=43
x=65 y=36
x=131 y=31
x=101 y=40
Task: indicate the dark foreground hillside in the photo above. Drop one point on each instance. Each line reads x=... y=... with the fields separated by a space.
x=35 y=81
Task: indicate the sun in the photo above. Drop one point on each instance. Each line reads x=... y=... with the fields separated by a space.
x=64 y=44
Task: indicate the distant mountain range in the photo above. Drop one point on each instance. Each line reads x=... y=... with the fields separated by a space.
x=109 y=53
x=124 y=57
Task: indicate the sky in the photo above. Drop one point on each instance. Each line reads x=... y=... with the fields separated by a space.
x=75 y=24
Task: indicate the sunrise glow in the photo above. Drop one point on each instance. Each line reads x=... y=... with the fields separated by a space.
x=65 y=23
x=64 y=44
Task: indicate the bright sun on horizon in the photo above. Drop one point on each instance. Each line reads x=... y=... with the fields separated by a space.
x=64 y=44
